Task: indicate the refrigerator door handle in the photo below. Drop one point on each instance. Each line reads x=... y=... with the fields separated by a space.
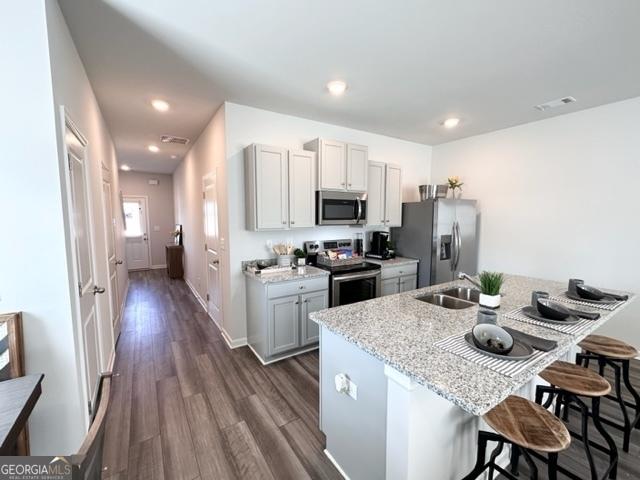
x=454 y=247
x=456 y=226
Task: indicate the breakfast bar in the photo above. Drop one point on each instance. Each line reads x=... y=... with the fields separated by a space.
x=397 y=402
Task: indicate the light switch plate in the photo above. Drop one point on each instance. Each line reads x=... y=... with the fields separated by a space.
x=353 y=390
x=156 y=228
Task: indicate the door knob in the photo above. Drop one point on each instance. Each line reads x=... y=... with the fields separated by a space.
x=216 y=262
x=119 y=262
x=97 y=289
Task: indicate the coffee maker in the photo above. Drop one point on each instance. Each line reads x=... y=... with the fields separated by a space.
x=379 y=247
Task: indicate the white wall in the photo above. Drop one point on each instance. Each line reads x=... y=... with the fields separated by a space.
x=559 y=199
x=160 y=206
x=246 y=125
x=33 y=255
x=205 y=156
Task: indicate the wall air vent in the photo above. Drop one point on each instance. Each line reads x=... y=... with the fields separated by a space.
x=555 y=103
x=174 y=139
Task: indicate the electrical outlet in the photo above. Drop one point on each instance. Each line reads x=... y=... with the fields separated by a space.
x=156 y=228
x=269 y=244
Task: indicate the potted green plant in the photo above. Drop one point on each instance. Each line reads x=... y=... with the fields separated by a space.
x=300 y=257
x=490 y=285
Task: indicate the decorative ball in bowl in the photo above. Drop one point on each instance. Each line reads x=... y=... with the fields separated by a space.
x=492 y=338
x=589 y=293
x=552 y=310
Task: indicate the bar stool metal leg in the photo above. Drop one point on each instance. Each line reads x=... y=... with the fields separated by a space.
x=632 y=391
x=626 y=432
x=515 y=458
x=613 y=449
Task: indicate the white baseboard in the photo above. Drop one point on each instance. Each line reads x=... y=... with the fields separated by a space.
x=335 y=464
x=231 y=343
x=158 y=267
x=298 y=352
x=196 y=294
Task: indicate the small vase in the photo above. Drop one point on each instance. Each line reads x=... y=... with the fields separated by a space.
x=489 y=301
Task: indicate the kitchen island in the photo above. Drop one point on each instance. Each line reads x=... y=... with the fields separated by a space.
x=409 y=408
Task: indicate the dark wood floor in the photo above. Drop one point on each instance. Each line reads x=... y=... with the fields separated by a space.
x=575 y=458
x=185 y=406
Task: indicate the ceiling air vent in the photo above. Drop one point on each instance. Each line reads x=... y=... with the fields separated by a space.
x=555 y=103
x=174 y=139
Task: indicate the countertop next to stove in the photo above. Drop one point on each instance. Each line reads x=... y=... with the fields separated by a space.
x=310 y=272
x=401 y=332
x=393 y=262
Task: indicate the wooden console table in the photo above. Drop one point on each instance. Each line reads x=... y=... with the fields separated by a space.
x=174 y=254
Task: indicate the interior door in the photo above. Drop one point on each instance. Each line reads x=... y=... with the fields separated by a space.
x=212 y=247
x=375 y=194
x=393 y=196
x=83 y=251
x=333 y=169
x=302 y=202
x=357 y=167
x=136 y=233
x=110 y=234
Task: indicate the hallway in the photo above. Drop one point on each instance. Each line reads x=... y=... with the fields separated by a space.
x=185 y=406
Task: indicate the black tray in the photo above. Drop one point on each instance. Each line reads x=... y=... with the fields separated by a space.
x=532 y=312
x=520 y=351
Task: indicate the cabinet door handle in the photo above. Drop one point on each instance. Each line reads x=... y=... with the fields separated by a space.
x=342 y=183
x=293 y=222
x=301 y=287
x=284 y=223
x=297 y=303
x=350 y=184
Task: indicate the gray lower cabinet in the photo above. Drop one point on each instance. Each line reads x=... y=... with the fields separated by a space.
x=284 y=324
x=278 y=316
x=312 y=302
x=399 y=278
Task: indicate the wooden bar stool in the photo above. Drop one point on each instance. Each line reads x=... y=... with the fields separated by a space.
x=569 y=382
x=616 y=354
x=529 y=428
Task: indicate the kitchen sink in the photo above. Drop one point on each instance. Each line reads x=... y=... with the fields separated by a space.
x=445 y=301
x=464 y=293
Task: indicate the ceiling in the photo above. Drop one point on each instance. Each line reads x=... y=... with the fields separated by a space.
x=409 y=65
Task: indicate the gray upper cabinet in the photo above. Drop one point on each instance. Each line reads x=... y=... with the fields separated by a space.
x=341 y=166
x=384 y=195
x=279 y=188
x=302 y=185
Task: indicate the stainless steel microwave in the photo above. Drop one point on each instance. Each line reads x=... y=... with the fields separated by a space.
x=341 y=208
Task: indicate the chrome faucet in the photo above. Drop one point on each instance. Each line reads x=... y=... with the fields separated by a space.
x=464 y=276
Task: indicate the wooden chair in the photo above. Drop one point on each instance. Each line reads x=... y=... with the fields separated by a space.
x=88 y=460
x=12 y=362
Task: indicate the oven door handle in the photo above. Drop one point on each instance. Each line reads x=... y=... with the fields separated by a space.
x=359 y=210
x=355 y=276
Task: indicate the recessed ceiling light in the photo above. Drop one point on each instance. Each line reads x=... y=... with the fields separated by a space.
x=126 y=168
x=153 y=148
x=174 y=156
x=451 y=122
x=160 y=105
x=336 y=87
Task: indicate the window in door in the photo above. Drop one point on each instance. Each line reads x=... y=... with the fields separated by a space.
x=132 y=219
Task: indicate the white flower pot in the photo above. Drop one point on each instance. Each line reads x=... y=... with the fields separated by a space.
x=491 y=301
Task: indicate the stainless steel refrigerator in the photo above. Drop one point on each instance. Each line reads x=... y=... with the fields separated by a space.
x=441 y=233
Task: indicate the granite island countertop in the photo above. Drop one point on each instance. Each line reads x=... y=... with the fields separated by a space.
x=309 y=272
x=401 y=332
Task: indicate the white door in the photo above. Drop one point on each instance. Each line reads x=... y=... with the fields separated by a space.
x=136 y=233
x=272 y=192
x=375 y=194
x=357 y=168
x=302 y=199
x=393 y=196
x=212 y=247
x=333 y=161
x=110 y=240
x=83 y=250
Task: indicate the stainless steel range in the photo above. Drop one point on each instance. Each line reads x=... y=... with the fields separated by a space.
x=349 y=282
